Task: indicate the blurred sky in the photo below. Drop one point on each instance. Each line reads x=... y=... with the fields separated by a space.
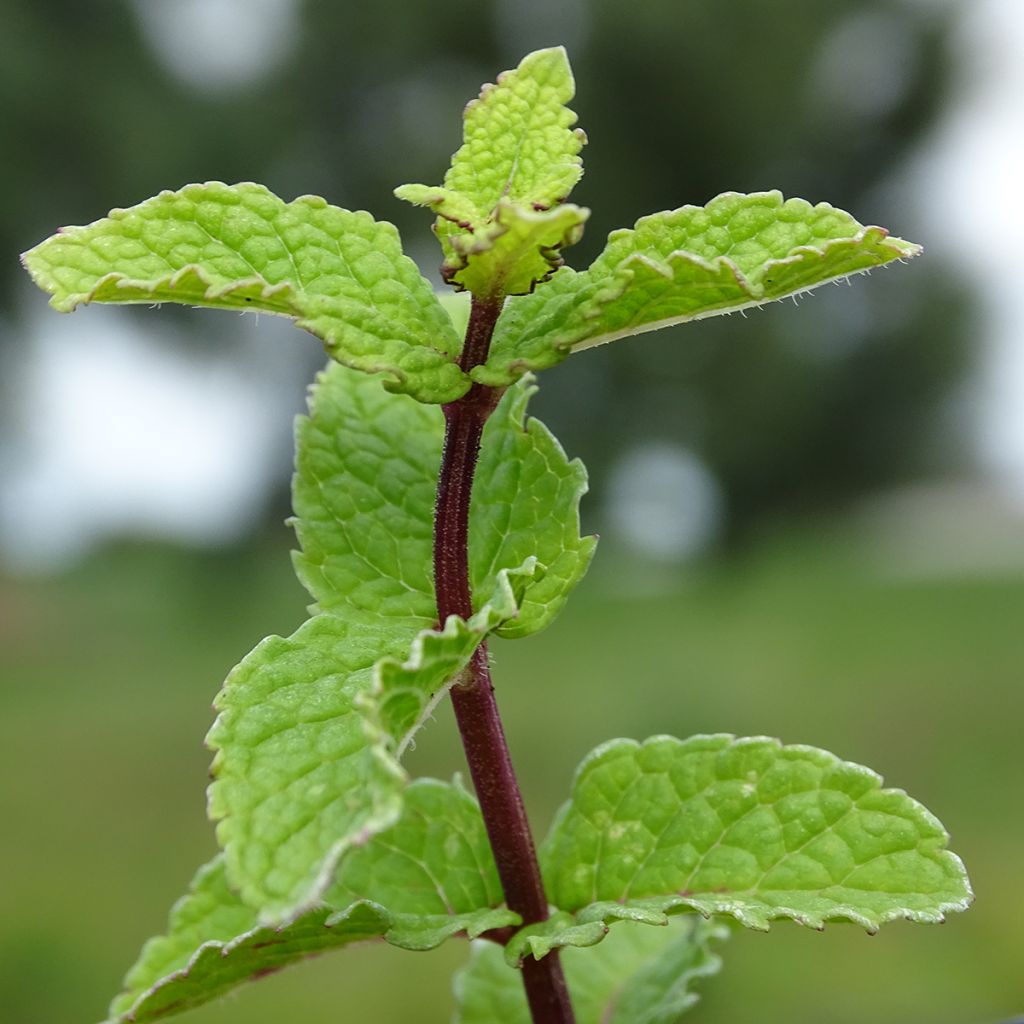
x=111 y=428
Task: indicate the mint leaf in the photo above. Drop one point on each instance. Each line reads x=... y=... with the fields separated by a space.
x=301 y=772
x=518 y=144
x=519 y=141
x=427 y=878
x=214 y=943
x=341 y=275
x=587 y=928
x=636 y=976
x=514 y=250
x=364 y=498
x=363 y=493
x=407 y=692
x=308 y=735
x=738 y=251
x=751 y=829
x=519 y=158
x=526 y=502
x=434 y=862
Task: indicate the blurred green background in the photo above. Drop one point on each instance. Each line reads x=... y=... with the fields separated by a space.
x=809 y=520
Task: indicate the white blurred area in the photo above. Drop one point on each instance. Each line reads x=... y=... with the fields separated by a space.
x=112 y=432
x=220 y=44
x=970 y=186
x=663 y=502
x=121 y=432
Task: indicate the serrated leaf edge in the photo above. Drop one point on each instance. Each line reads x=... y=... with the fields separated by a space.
x=384 y=817
x=229 y=947
x=268 y=293
x=502 y=607
x=756 y=302
x=484 y=238
x=495 y=917
x=680 y=902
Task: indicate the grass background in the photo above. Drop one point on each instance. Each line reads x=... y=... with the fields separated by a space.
x=109 y=673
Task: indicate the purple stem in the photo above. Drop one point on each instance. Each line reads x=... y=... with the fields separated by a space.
x=476 y=712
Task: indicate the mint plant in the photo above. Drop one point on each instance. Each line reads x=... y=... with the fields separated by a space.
x=433 y=513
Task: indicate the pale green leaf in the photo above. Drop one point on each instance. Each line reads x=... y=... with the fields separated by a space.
x=364 y=499
x=301 y=772
x=453 y=206
x=526 y=502
x=434 y=862
x=427 y=878
x=363 y=494
x=737 y=252
x=637 y=975
x=520 y=157
x=308 y=736
x=517 y=248
x=518 y=144
x=751 y=829
x=340 y=275
x=214 y=943
x=407 y=692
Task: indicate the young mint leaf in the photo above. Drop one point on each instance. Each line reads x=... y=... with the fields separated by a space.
x=364 y=497
x=738 y=251
x=301 y=772
x=215 y=943
x=515 y=249
x=499 y=222
x=751 y=829
x=636 y=976
x=340 y=275
x=518 y=144
x=526 y=502
x=428 y=877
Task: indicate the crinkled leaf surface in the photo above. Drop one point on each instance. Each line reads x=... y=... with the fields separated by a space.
x=737 y=251
x=363 y=494
x=340 y=275
x=301 y=772
x=519 y=159
x=407 y=692
x=214 y=943
x=518 y=144
x=364 y=498
x=636 y=976
x=518 y=140
x=516 y=248
x=428 y=877
x=751 y=829
x=526 y=502
x=435 y=861
x=308 y=736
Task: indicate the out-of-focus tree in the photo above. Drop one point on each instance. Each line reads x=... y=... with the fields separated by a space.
x=681 y=100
